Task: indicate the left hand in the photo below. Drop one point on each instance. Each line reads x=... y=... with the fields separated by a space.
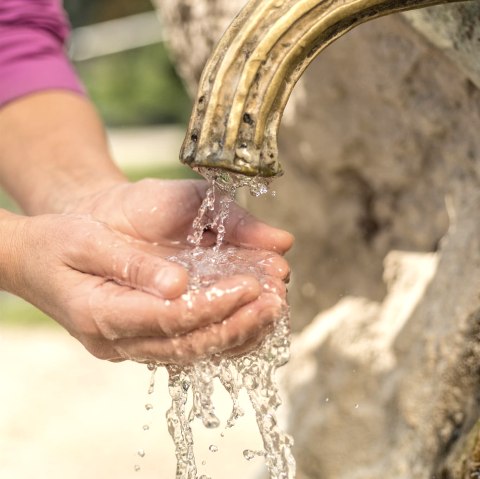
x=162 y=211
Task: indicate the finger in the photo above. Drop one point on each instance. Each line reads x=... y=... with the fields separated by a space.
x=110 y=255
x=245 y=230
x=268 y=262
x=121 y=313
x=274 y=265
x=164 y=209
x=102 y=349
x=246 y=324
x=274 y=286
x=251 y=344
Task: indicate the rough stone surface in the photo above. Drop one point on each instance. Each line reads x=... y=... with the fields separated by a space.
x=381 y=149
x=385 y=390
x=455 y=29
x=193 y=28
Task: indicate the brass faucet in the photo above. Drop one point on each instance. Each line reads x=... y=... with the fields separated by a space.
x=247 y=81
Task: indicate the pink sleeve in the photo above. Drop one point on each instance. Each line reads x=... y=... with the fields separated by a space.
x=32 y=56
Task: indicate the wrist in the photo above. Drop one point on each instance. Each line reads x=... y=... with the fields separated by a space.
x=11 y=234
x=81 y=172
x=56 y=152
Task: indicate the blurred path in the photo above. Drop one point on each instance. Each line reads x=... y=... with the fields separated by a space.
x=67 y=415
x=146 y=146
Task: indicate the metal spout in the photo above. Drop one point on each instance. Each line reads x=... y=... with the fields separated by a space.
x=247 y=81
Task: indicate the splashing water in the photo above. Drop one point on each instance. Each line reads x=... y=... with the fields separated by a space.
x=254 y=371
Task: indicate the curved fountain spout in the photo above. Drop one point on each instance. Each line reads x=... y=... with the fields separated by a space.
x=250 y=75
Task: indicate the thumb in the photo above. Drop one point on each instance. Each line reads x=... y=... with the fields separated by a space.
x=114 y=257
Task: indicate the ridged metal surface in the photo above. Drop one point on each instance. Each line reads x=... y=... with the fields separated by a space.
x=253 y=70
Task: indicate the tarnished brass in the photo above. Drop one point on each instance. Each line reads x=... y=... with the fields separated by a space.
x=250 y=75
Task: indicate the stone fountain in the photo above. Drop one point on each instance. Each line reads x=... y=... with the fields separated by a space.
x=381 y=148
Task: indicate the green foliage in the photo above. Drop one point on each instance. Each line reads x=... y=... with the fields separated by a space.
x=6 y=202
x=17 y=312
x=171 y=172
x=136 y=87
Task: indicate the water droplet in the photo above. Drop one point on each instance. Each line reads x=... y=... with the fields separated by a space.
x=141 y=453
x=222 y=434
x=248 y=454
x=213 y=448
x=211 y=421
x=269 y=421
x=327 y=399
x=152 y=366
x=357 y=406
x=204 y=463
x=250 y=382
x=148 y=407
x=136 y=468
x=146 y=427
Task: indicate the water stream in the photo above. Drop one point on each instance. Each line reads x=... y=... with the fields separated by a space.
x=254 y=371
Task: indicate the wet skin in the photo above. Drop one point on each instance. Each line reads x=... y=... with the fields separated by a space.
x=111 y=286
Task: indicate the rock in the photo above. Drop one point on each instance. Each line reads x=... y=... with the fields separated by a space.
x=343 y=395
x=455 y=29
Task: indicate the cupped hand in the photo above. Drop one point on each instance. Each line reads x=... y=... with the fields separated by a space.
x=122 y=299
x=162 y=211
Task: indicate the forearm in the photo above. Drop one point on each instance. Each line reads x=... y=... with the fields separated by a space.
x=52 y=144
x=55 y=151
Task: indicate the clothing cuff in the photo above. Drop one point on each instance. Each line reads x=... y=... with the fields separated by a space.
x=38 y=74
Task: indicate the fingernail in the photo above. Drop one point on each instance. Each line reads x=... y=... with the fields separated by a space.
x=167 y=278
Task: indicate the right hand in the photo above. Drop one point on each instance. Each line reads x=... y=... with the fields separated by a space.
x=115 y=294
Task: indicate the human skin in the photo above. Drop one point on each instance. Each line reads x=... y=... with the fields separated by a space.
x=91 y=249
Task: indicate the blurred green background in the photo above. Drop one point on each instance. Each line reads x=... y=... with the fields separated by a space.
x=138 y=89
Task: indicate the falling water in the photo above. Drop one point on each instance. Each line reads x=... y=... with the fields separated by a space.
x=254 y=371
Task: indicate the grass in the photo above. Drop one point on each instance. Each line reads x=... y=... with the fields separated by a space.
x=170 y=172
x=16 y=312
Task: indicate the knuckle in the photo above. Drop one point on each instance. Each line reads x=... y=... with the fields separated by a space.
x=100 y=325
x=134 y=268
x=168 y=327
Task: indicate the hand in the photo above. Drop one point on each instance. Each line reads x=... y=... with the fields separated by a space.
x=162 y=211
x=120 y=298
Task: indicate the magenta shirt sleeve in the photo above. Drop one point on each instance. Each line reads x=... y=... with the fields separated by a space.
x=32 y=49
